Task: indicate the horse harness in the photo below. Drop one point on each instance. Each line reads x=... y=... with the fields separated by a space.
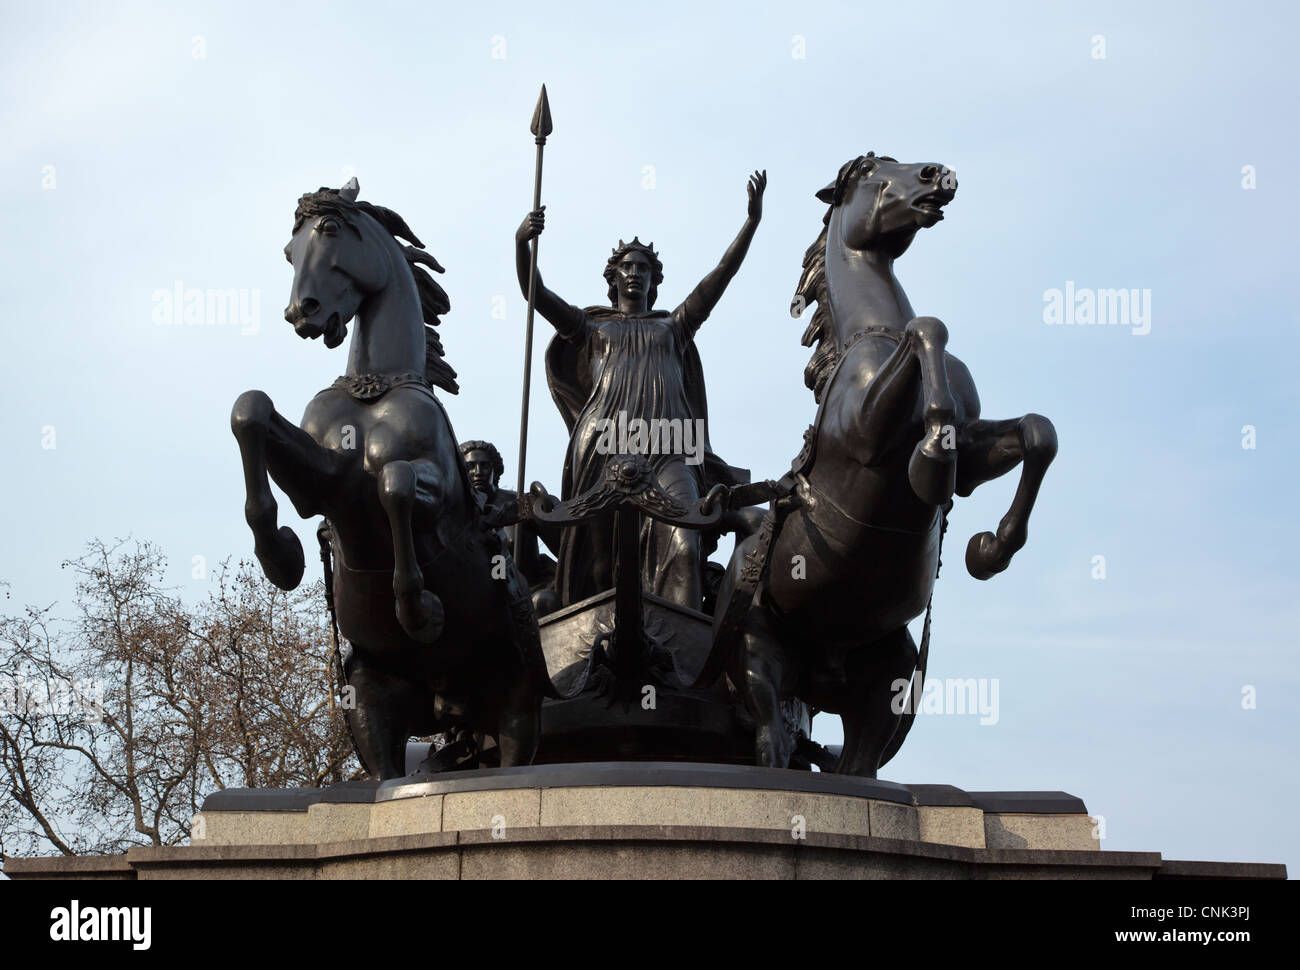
x=793 y=491
x=369 y=388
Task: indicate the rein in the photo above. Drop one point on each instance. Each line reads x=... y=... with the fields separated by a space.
x=368 y=388
x=794 y=491
x=784 y=496
x=908 y=716
x=323 y=533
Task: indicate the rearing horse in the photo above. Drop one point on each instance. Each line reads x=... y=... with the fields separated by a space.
x=815 y=604
x=442 y=631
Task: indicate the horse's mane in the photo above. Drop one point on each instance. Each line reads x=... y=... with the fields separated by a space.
x=433 y=298
x=812 y=289
x=812 y=284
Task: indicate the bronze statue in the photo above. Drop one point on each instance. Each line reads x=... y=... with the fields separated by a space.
x=812 y=610
x=486 y=466
x=438 y=617
x=815 y=604
x=627 y=364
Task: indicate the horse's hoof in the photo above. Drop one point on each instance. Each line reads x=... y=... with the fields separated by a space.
x=425 y=623
x=283 y=561
x=984 y=558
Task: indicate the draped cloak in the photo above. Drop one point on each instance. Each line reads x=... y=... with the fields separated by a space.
x=575 y=363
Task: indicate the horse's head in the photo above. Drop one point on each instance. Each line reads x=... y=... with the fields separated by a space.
x=339 y=254
x=875 y=205
x=343 y=251
x=880 y=203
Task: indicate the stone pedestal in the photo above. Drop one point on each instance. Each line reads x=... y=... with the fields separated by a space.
x=638 y=820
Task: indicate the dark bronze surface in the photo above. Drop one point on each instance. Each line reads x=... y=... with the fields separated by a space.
x=437 y=641
x=815 y=604
x=811 y=612
x=501 y=507
x=632 y=360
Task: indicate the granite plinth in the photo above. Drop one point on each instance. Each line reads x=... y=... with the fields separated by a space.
x=638 y=820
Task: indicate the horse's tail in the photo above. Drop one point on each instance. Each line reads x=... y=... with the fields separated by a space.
x=922 y=660
x=914 y=698
x=325 y=536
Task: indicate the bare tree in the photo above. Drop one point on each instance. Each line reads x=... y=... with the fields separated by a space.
x=117 y=723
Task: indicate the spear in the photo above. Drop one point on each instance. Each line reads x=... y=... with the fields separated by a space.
x=540 y=127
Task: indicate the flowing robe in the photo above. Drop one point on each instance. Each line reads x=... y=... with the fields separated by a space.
x=603 y=362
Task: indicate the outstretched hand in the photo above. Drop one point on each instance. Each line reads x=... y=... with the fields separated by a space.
x=757 y=183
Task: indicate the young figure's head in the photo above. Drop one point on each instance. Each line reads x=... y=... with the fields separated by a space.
x=484 y=464
x=634 y=273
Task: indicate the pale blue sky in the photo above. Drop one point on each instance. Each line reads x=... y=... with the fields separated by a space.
x=1117 y=172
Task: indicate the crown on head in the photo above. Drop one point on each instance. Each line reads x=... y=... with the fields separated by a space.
x=636 y=243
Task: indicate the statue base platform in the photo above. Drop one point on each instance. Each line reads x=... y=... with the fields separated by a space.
x=629 y=820
x=685 y=723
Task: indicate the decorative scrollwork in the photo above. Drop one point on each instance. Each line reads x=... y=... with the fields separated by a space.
x=629 y=481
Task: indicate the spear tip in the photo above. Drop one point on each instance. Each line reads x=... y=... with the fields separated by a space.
x=541 y=126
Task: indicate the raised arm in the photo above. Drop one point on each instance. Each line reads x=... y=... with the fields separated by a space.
x=564 y=317
x=697 y=307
